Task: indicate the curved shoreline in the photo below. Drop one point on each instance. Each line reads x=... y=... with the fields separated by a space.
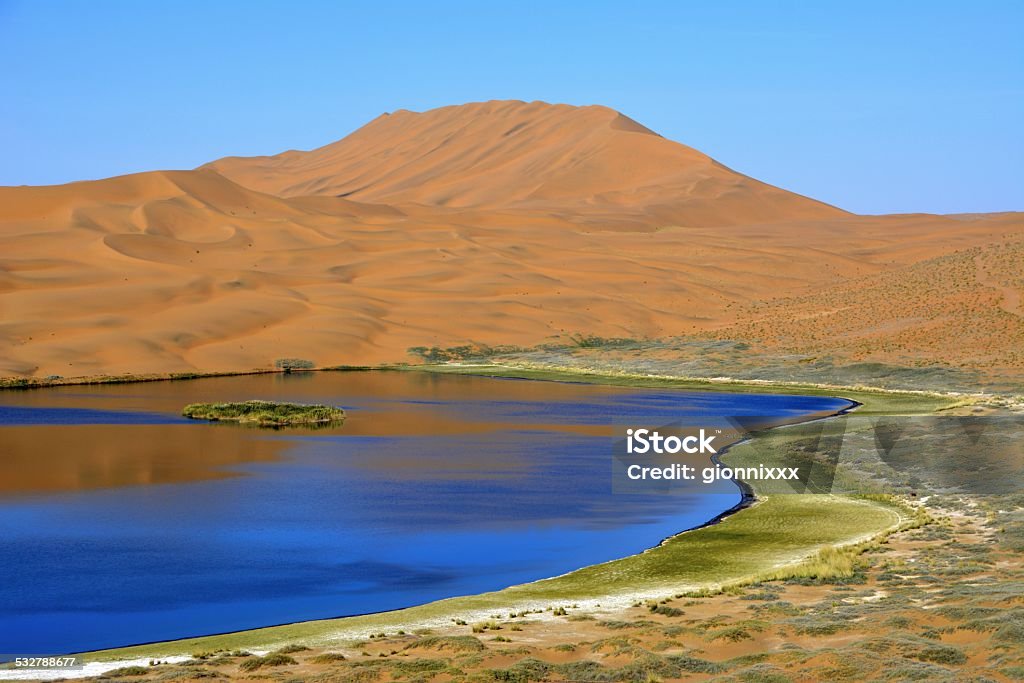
x=747 y=494
x=748 y=497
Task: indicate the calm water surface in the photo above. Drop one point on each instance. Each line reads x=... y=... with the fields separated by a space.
x=123 y=523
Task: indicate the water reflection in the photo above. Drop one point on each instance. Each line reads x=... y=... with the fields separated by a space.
x=436 y=485
x=37 y=459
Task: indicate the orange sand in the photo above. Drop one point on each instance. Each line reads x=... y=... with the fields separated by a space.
x=495 y=223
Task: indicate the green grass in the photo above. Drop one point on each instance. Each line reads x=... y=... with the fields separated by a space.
x=264 y=413
x=873 y=401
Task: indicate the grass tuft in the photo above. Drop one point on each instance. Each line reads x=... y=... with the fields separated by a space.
x=264 y=413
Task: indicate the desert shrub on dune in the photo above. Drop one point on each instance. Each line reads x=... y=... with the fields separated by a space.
x=590 y=341
x=941 y=655
x=290 y=364
x=273 y=659
x=451 y=643
x=329 y=658
x=290 y=649
x=126 y=671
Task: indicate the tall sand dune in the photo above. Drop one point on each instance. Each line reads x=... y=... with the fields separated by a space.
x=495 y=223
x=528 y=155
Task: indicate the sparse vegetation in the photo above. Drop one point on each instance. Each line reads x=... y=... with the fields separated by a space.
x=272 y=659
x=328 y=658
x=665 y=610
x=462 y=644
x=293 y=364
x=126 y=672
x=292 y=649
x=265 y=413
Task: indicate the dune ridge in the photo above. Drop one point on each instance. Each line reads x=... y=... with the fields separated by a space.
x=510 y=154
x=490 y=223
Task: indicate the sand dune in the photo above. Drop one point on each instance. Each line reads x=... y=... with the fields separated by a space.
x=590 y=160
x=495 y=223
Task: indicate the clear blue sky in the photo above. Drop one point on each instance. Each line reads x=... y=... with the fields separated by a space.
x=874 y=106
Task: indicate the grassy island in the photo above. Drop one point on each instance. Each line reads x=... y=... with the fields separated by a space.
x=265 y=413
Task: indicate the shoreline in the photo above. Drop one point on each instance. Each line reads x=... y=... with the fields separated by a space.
x=747 y=494
x=26 y=383
x=718 y=383
x=748 y=498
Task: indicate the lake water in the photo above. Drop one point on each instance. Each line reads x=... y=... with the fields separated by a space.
x=122 y=522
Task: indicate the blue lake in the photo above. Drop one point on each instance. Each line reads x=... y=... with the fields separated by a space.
x=123 y=523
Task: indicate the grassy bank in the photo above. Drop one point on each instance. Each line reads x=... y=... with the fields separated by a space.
x=126 y=378
x=779 y=536
x=873 y=401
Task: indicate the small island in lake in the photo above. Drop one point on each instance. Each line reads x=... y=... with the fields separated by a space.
x=265 y=413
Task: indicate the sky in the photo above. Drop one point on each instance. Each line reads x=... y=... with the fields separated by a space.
x=877 y=107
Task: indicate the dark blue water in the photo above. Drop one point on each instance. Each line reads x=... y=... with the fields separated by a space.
x=122 y=524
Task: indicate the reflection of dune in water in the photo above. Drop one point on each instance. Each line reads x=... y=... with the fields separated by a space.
x=81 y=457
x=404 y=406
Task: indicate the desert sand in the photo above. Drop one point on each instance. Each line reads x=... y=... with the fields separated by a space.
x=492 y=223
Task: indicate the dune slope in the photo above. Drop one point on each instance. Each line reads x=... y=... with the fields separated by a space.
x=517 y=154
x=543 y=234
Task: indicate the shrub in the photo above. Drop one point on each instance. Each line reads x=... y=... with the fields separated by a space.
x=289 y=364
x=485 y=626
x=733 y=634
x=694 y=665
x=452 y=643
x=420 y=666
x=273 y=659
x=763 y=674
x=289 y=649
x=251 y=664
x=666 y=610
x=328 y=658
x=125 y=671
x=941 y=655
x=586 y=670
